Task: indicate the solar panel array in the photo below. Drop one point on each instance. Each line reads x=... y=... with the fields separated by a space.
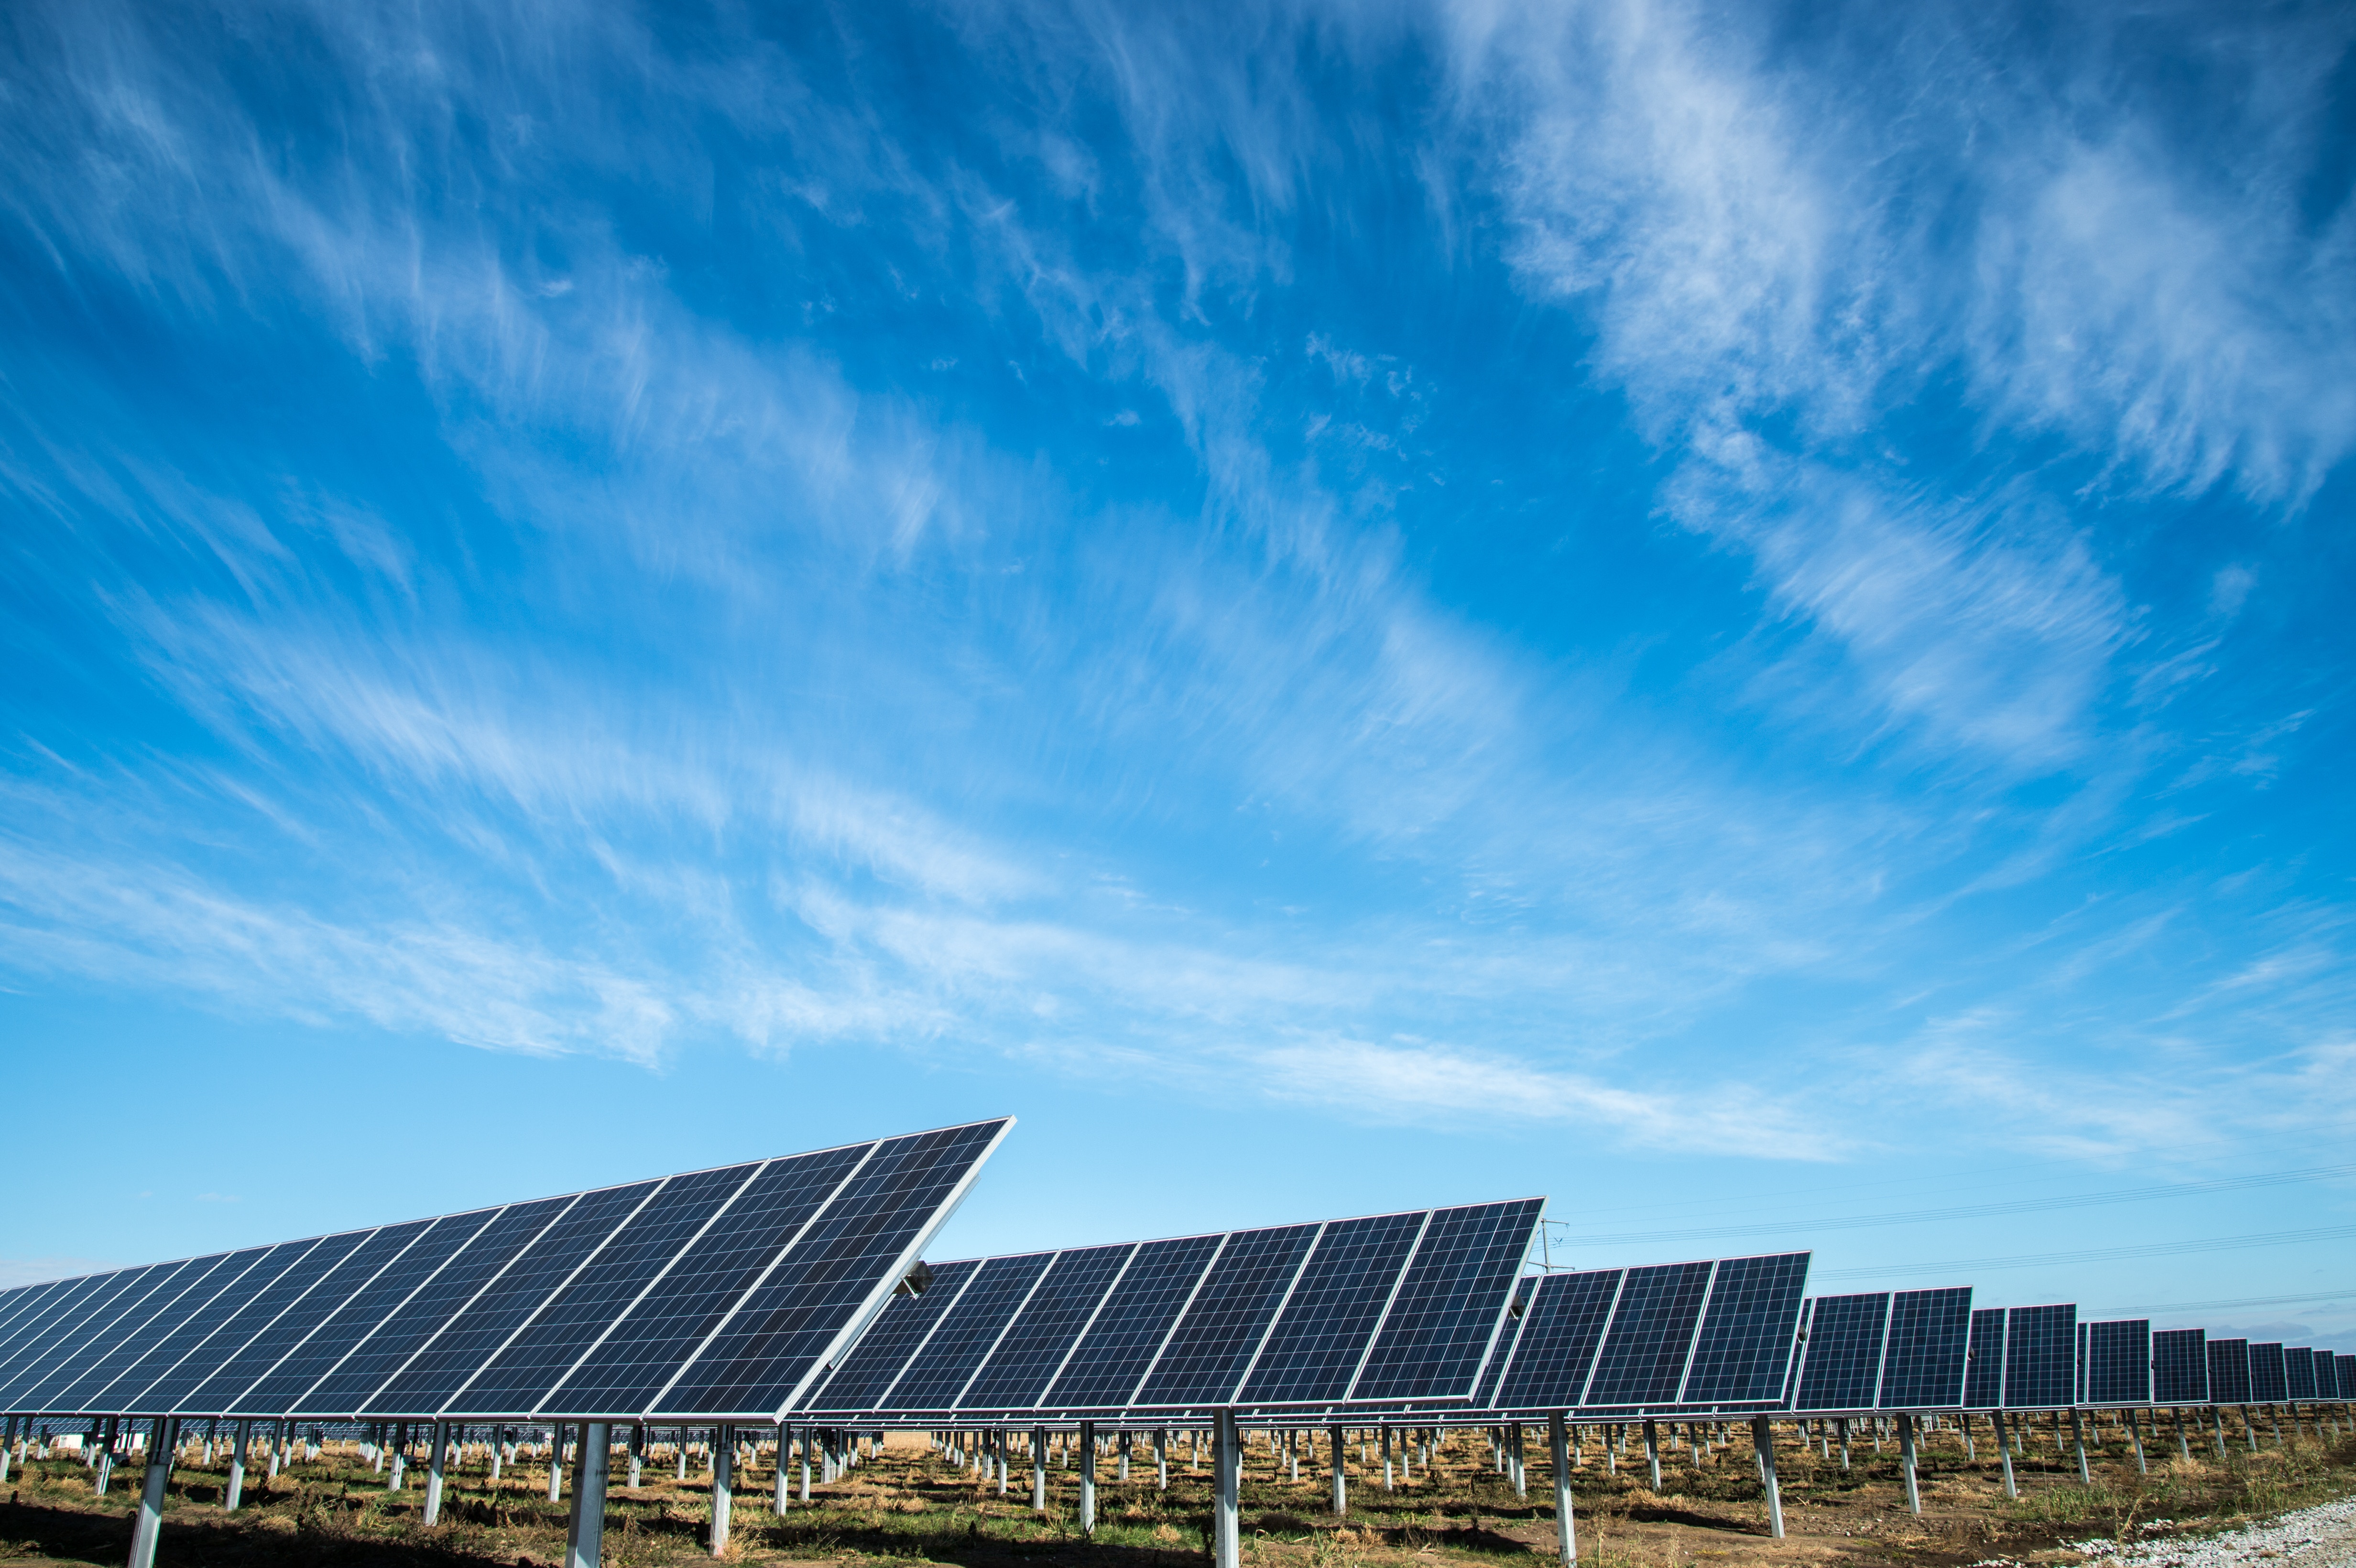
x=1907 y=1349
x=1389 y=1309
x=1680 y=1338
x=715 y=1294
x=2118 y=1363
x=2179 y=1366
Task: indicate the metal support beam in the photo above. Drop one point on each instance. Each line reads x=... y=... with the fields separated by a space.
x=234 y=1492
x=1088 y=1478
x=584 y=1533
x=2134 y=1436
x=1653 y=1451
x=398 y=1477
x=1564 y=1531
x=785 y=1487
x=1341 y=1478
x=1226 y=1467
x=149 y=1525
x=1161 y=1458
x=433 y=1472
x=1039 y=1471
x=1906 y=1461
x=724 y=1468
x=1762 y=1438
x=2004 y=1448
x=2077 y=1437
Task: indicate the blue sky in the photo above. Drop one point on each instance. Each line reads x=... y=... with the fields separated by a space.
x=1735 y=615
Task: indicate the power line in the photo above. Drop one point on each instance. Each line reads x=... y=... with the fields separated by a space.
x=1966 y=1211
x=2348 y=1293
x=2095 y=1255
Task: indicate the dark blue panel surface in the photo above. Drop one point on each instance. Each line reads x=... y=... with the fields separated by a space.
x=2040 y=1357
x=1113 y=1357
x=1493 y=1376
x=64 y=1310
x=1033 y=1347
x=195 y=1337
x=867 y=1374
x=773 y=1343
x=2266 y=1383
x=568 y=1324
x=1644 y=1351
x=79 y=1331
x=314 y=1260
x=1930 y=1342
x=2346 y=1366
x=1322 y=1334
x=1984 y=1378
x=1841 y=1367
x=1745 y=1344
x=351 y=1323
x=656 y=1336
x=2299 y=1372
x=287 y=1356
x=2118 y=1362
x=1450 y=1303
x=1215 y=1339
x=102 y=1361
x=2229 y=1371
x=1554 y=1354
x=972 y=1325
x=2179 y=1367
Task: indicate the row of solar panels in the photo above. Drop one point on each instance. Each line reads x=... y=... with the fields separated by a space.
x=718 y=1293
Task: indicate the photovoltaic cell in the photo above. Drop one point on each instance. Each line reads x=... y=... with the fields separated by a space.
x=1113 y=1355
x=2345 y=1366
x=571 y=1321
x=167 y=1355
x=1923 y=1363
x=1646 y=1348
x=291 y=1354
x=854 y=1253
x=1220 y=1331
x=864 y=1379
x=1492 y=1375
x=1984 y=1379
x=1451 y=1303
x=1323 y=1332
x=68 y=1311
x=2179 y=1366
x=2118 y=1363
x=2267 y=1382
x=980 y=1315
x=104 y=1359
x=1745 y=1343
x=2298 y=1373
x=2229 y=1371
x=2040 y=1357
x=1841 y=1367
x=1041 y=1334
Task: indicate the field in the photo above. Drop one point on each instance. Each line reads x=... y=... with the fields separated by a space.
x=907 y=1505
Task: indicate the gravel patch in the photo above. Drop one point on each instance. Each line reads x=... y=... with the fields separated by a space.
x=2320 y=1537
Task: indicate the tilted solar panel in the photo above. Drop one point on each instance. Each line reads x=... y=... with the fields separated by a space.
x=1450 y=1303
x=2299 y=1372
x=2267 y=1384
x=2118 y=1362
x=1840 y=1368
x=1115 y=1351
x=2179 y=1366
x=717 y=1295
x=1924 y=1364
x=2327 y=1378
x=1554 y=1349
x=1650 y=1336
x=1745 y=1344
x=1316 y=1346
x=2345 y=1367
x=1984 y=1379
x=2229 y=1371
x=2040 y=1357
x=864 y=1379
x=1027 y=1357
x=1211 y=1348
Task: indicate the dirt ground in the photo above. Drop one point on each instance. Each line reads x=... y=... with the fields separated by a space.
x=908 y=1504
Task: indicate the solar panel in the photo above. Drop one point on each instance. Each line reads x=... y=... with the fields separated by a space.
x=2298 y=1373
x=1745 y=1343
x=1114 y=1352
x=2118 y=1363
x=2327 y=1376
x=1923 y=1362
x=974 y=1324
x=1984 y=1382
x=2040 y=1356
x=709 y=1296
x=1222 y=1326
x=1651 y=1336
x=2345 y=1367
x=1450 y=1303
x=1840 y=1368
x=2267 y=1385
x=1554 y=1349
x=2179 y=1366
x=1317 y=1344
x=1485 y=1396
x=1032 y=1351
x=2229 y=1371
x=864 y=1379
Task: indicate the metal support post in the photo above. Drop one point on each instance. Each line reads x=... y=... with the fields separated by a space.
x=2077 y=1437
x=1844 y=1442
x=1226 y=1465
x=1341 y=1479
x=584 y=1532
x=2004 y=1448
x=1762 y=1436
x=1653 y=1451
x=2134 y=1436
x=724 y=1466
x=234 y=1492
x=784 y=1488
x=555 y=1465
x=1039 y=1471
x=808 y=1435
x=1559 y=1448
x=1088 y=1478
x=1906 y=1461
x=638 y=1455
x=1161 y=1458
x=149 y=1526
x=397 y=1476
x=434 y=1473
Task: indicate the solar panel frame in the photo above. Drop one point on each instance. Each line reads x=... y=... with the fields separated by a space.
x=2179 y=1366
x=2118 y=1363
x=2299 y=1372
x=1649 y=1341
x=2229 y=1371
x=2267 y=1384
x=1555 y=1348
x=1984 y=1377
x=1926 y=1353
x=1744 y=1344
x=2040 y=1370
